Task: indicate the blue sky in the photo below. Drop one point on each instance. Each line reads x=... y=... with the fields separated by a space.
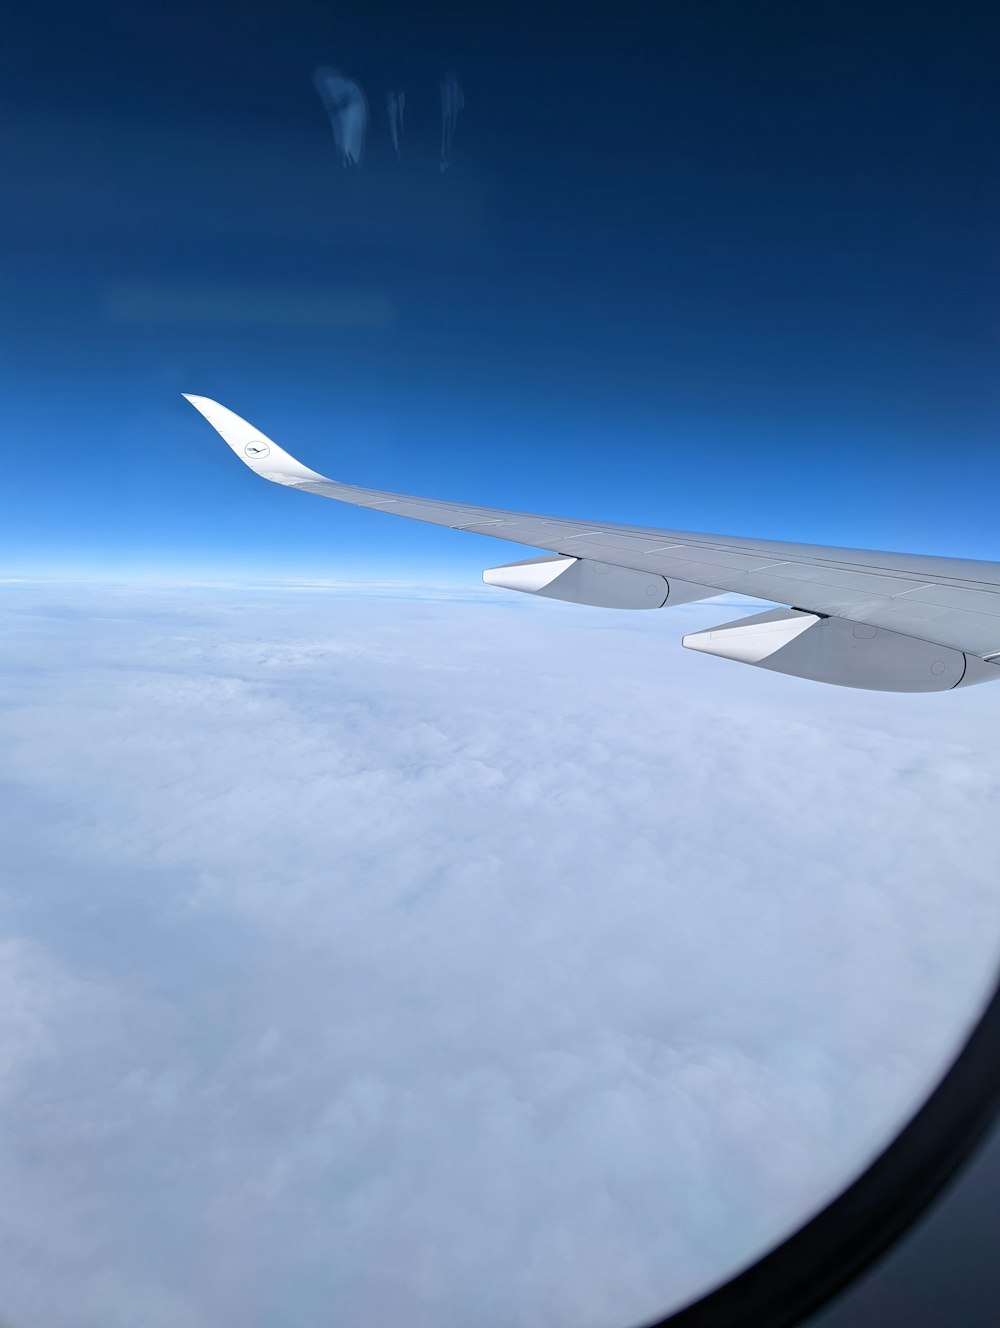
x=734 y=271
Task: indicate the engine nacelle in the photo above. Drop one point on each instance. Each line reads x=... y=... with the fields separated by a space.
x=584 y=581
x=848 y=654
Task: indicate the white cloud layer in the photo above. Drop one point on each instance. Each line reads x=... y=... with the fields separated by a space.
x=368 y=960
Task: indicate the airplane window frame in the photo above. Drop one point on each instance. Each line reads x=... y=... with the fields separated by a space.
x=806 y=1270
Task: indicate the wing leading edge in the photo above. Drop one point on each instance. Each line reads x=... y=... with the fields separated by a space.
x=950 y=603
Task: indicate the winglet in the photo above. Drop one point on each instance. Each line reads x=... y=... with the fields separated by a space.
x=253 y=448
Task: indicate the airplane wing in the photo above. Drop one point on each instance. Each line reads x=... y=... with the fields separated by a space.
x=886 y=621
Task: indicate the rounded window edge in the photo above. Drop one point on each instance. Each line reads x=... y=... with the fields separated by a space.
x=824 y=1256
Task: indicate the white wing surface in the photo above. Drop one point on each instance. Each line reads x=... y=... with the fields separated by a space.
x=890 y=621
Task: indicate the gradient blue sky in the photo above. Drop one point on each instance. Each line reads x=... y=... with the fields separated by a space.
x=720 y=267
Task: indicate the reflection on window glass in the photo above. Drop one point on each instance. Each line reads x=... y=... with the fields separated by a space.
x=376 y=946
x=348 y=111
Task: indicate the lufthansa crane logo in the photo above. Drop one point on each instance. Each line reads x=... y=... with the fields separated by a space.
x=256 y=451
